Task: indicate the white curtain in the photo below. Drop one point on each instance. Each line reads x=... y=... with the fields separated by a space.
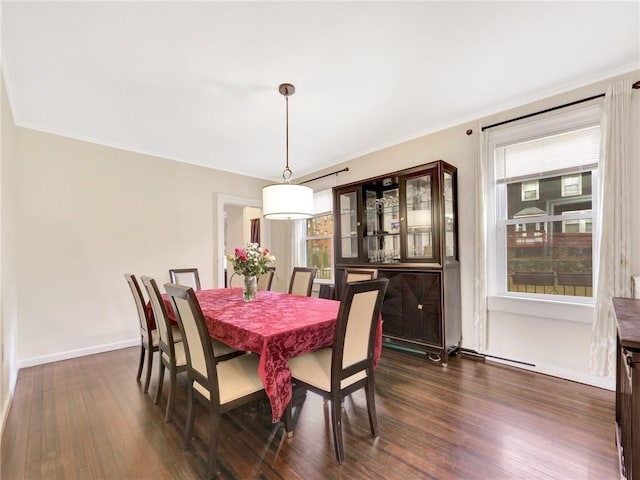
x=480 y=265
x=613 y=246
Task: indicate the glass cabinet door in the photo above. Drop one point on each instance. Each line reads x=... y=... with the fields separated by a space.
x=450 y=221
x=348 y=224
x=372 y=224
x=382 y=214
x=419 y=219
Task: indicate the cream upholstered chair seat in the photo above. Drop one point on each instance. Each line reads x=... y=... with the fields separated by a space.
x=236 y=379
x=221 y=350
x=177 y=336
x=314 y=368
x=180 y=355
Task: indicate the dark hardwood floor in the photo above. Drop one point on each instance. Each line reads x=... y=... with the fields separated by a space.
x=87 y=418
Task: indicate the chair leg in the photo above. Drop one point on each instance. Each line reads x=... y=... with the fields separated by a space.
x=336 y=424
x=172 y=394
x=141 y=362
x=160 y=382
x=288 y=419
x=149 y=366
x=371 y=405
x=190 y=416
x=214 y=436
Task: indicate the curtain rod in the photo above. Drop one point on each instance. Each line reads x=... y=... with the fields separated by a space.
x=345 y=169
x=635 y=86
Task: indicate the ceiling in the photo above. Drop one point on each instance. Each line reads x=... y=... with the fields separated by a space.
x=198 y=82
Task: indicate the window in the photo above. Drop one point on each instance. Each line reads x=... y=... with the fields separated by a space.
x=577 y=226
x=319 y=245
x=542 y=229
x=571 y=185
x=313 y=238
x=530 y=190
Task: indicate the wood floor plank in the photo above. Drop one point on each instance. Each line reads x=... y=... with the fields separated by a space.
x=87 y=418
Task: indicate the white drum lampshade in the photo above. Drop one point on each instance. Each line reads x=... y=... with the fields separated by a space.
x=286 y=201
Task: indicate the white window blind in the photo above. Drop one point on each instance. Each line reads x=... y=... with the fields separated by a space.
x=542 y=157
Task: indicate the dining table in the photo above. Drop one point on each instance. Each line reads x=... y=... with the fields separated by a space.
x=276 y=326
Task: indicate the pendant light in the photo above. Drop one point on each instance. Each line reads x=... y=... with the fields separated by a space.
x=287 y=201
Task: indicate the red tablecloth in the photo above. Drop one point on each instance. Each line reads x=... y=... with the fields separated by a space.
x=275 y=325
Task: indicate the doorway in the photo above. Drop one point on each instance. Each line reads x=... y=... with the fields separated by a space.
x=234 y=228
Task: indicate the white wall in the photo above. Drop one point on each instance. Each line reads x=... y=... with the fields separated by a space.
x=89 y=213
x=8 y=262
x=518 y=334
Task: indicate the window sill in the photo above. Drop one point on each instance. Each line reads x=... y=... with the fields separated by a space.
x=542 y=307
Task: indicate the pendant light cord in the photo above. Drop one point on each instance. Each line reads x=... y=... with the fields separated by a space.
x=286 y=89
x=287 y=178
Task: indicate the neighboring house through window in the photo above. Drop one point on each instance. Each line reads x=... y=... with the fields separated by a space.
x=544 y=193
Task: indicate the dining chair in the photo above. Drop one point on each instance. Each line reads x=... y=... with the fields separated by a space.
x=172 y=354
x=359 y=274
x=148 y=333
x=302 y=280
x=219 y=386
x=185 y=276
x=266 y=279
x=348 y=365
x=327 y=291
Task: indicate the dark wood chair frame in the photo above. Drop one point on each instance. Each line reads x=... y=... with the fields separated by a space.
x=327 y=291
x=173 y=272
x=146 y=331
x=296 y=270
x=166 y=345
x=337 y=393
x=210 y=382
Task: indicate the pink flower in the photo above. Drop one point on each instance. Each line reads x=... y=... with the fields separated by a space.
x=250 y=260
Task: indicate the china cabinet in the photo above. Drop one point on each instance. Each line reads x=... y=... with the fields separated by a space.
x=405 y=225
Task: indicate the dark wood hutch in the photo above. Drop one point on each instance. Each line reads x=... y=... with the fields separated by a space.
x=405 y=224
x=627 y=314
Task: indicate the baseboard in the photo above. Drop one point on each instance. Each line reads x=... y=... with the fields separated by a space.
x=55 y=357
x=600 y=382
x=6 y=405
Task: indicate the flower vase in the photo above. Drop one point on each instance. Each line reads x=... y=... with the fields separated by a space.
x=250 y=288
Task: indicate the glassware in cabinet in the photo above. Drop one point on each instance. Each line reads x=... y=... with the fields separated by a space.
x=419 y=219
